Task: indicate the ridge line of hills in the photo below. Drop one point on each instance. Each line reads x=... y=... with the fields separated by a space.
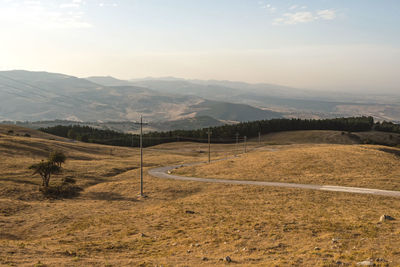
x=169 y=103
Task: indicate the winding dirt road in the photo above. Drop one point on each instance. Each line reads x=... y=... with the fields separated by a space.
x=163 y=172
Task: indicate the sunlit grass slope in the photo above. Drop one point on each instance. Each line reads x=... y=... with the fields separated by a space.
x=355 y=165
x=109 y=225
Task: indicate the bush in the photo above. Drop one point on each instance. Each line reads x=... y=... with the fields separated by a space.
x=27 y=135
x=61 y=191
x=45 y=169
x=10 y=132
x=57 y=157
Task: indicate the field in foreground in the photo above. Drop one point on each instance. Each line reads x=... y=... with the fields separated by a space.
x=109 y=225
x=368 y=166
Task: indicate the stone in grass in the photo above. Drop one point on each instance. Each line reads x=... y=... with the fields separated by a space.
x=365 y=263
x=189 y=212
x=385 y=217
x=228 y=259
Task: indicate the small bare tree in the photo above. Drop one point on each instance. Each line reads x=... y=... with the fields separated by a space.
x=45 y=169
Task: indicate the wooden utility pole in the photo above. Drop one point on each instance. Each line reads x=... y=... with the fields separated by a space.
x=237 y=142
x=209 y=145
x=141 y=156
x=245 y=144
x=259 y=137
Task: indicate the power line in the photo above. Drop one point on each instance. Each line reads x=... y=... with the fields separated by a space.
x=56 y=94
x=28 y=98
x=7 y=86
x=44 y=90
x=60 y=103
x=16 y=94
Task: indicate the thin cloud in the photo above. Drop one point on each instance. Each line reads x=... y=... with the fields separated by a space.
x=267 y=6
x=70 y=5
x=327 y=14
x=295 y=18
x=304 y=17
x=44 y=14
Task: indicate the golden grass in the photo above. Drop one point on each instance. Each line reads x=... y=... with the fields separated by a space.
x=109 y=225
x=356 y=165
x=20 y=131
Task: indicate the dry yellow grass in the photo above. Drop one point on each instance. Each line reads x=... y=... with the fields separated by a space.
x=20 y=131
x=356 y=165
x=109 y=225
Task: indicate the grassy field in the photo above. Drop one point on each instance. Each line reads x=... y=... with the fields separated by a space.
x=367 y=166
x=109 y=225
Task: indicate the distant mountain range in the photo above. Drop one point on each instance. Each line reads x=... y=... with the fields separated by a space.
x=290 y=102
x=36 y=96
x=172 y=102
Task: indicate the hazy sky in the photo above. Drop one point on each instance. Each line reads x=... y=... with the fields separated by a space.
x=324 y=44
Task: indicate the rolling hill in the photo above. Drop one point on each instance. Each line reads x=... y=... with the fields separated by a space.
x=293 y=102
x=190 y=223
x=33 y=96
x=233 y=112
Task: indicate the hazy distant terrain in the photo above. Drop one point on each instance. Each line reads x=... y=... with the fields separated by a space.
x=290 y=101
x=34 y=96
x=128 y=126
x=38 y=96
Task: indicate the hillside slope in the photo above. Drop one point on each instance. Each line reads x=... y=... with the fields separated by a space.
x=178 y=223
x=34 y=96
x=356 y=165
x=14 y=130
x=233 y=112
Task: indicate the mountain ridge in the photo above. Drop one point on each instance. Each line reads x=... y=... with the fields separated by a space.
x=36 y=96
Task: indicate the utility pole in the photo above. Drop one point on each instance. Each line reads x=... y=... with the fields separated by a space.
x=209 y=145
x=237 y=142
x=259 y=137
x=245 y=144
x=141 y=156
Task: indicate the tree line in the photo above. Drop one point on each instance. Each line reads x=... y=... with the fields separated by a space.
x=220 y=134
x=387 y=127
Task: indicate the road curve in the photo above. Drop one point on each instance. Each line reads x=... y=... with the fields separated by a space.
x=163 y=172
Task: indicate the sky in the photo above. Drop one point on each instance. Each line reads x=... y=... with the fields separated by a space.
x=333 y=45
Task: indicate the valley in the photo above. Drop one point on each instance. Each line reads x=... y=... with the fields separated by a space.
x=28 y=98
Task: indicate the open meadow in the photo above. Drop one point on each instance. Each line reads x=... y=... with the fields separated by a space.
x=183 y=223
x=368 y=166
